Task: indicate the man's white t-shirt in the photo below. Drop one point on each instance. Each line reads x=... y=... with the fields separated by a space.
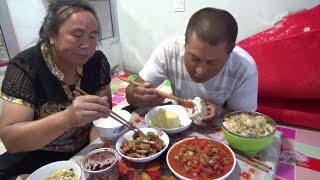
x=235 y=87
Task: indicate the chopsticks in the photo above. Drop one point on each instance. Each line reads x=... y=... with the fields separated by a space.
x=253 y=161
x=114 y=115
x=183 y=102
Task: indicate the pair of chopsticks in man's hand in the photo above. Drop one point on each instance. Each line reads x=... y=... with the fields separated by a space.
x=115 y=116
x=183 y=102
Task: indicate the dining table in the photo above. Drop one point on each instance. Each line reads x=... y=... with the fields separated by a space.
x=293 y=155
x=158 y=168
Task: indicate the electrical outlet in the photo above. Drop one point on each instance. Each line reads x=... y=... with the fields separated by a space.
x=179 y=5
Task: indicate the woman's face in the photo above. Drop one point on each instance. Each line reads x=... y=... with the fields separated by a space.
x=202 y=60
x=77 y=39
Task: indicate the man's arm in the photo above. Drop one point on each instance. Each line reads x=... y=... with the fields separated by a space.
x=130 y=92
x=152 y=75
x=146 y=96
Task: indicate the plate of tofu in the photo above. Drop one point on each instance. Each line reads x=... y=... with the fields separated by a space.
x=169 y=118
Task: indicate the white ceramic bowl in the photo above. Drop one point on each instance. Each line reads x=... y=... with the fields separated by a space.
x=128 y=136
x=47 y=170
x=173 y=153
x=111 y=129
x=182 y=113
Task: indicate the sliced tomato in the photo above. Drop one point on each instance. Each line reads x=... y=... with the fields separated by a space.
x=207 y=170
x=197 y=170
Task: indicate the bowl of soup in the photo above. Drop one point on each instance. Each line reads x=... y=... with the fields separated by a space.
x=248 y=132
x=201 y=158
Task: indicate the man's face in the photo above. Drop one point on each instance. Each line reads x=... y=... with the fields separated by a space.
x=202 y=60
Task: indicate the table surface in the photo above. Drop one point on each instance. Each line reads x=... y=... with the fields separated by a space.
x=299 y=150
x=158 y=167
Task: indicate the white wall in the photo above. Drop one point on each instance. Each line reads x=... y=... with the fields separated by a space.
x=27 y=17
x=144 y=24
x=8 y=30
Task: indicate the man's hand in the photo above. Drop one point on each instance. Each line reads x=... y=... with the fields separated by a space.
x=147 y=96
x=212 y=110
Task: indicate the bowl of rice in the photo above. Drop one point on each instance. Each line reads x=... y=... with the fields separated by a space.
x=168 y=118
x=111 y=129
x=198 y=112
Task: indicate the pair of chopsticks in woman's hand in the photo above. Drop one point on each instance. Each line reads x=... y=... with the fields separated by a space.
x=183 y=102
x=115 y=116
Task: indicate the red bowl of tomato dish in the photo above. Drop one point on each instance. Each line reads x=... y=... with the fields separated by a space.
x=201 y=158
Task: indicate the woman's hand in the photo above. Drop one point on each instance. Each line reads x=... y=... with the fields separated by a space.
x=87 y=108
x=147 y=96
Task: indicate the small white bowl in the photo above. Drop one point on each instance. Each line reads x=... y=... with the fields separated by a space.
x=111 y=129
x=182 y=113
x=128 y=136
x=47 y=170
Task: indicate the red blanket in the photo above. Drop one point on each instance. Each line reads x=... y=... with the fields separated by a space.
x=288 y=61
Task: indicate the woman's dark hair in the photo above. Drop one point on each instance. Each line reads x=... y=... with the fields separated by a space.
x=213 y=26
x=58 y=12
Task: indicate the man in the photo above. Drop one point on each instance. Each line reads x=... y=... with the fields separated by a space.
x=204 y=63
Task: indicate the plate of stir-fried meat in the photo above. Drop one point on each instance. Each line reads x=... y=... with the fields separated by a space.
x=138 y=147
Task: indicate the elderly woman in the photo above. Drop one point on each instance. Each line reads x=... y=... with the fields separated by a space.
x=42 y=120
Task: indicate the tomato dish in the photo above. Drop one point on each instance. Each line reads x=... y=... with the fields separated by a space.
x=200 y=158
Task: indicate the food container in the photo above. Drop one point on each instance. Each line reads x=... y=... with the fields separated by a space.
x=48 y=170
x=185 y=121
x=111 y=129
x=201 y=158
x=249 y=144
x=101 y=164
x=128 y=136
